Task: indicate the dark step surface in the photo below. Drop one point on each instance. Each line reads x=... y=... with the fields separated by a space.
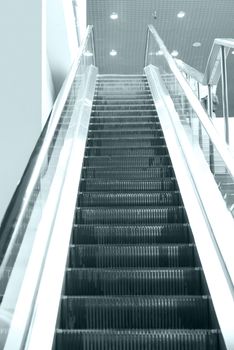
x=127 y=234
x=136 y=312
x=184 y=281
x=137 y=340
x=133 y=279
x=102 y=215
x=145 y=133
x=123 y=119
x=127 y=162
x=142 y=256
x=167 y=184
x=93 y=199
x=132 y=173
x=126 y=151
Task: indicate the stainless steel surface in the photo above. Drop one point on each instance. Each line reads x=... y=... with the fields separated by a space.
x=26 y=252
x=214 y=241
x=225 y=92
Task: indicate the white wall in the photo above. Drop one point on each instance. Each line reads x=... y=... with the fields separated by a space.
x=38 y=43
x=20 y=90
x=62 y=44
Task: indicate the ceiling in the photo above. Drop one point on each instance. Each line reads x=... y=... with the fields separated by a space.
x=204 y=21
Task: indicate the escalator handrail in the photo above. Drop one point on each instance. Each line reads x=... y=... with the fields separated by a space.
x=217 y=141
x=212 y=72
x=41 y=156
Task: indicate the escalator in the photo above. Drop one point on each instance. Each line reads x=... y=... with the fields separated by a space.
x=133 y=278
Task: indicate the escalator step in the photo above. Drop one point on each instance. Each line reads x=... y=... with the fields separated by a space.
x=137 y=340
x=104 y=234
x=123 y=133
x=135 y=312
x=126 y=142
x=142 y=112
x=142 y=256
x=89 y=199
x=130 y=215
x=143 y=173
x=124 y=119
x=127 y=161
x=130 y=151
x=169 y=184
x=123 y=107
x=126 y=101
x=133 y=282
x=122 y=126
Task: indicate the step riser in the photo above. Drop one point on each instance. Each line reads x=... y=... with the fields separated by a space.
x=150 y=152
x=118 y=186
x=131 y=174
x=132 y=256
x=89 y=199
x=145 y=313
x=157 y=234
x=125 y=142
x=134 y=340
x=127 y=282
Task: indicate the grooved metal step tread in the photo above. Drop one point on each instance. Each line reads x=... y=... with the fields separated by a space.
x=180 y=281
x=137 y=340
x=126 y=151
x=136 y=312
x=119 y=102
x=137 y=215
x=125 y=107
x=126 y=142
x=127 y=161
x=143 y=133
x=94 y=199
x=131 y=234
x=124 y=119
x=141 y=112
x=133 y=173
x=169 y=184
x=139 y=256
x=116 y=126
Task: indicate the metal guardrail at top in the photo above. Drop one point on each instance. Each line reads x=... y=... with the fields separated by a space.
x=220 y=145
x=31 y=227
x=216 y=67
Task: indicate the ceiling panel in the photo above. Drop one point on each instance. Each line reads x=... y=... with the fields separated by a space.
x=204 y=21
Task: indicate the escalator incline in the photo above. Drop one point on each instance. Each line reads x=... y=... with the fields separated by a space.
x=133 y=277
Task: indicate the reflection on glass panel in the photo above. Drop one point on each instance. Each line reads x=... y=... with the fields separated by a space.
x=191 y=122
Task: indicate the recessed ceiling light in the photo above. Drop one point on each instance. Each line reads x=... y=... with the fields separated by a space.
x=181 y=14
x=233 y=52
x=197 y=44
x=113 y=53
x=114 y=15
x=174 y=53
x=88 y=53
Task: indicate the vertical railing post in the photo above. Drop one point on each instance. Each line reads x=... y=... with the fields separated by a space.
x=198 y=92
x=210 y=101
x=225 y=93
x=147 y=46
x=93 y=47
